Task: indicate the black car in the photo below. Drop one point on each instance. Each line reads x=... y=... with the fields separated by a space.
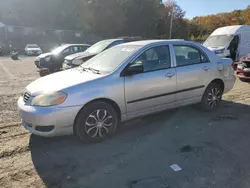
x=52 y=61
x=79 y=58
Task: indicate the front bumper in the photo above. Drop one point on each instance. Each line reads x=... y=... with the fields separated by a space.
x=60 y=119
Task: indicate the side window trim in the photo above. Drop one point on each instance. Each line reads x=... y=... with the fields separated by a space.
x=192 y=46
x=148 y=48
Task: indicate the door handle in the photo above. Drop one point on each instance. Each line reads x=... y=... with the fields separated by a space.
x=205 y=68
x=170 y=74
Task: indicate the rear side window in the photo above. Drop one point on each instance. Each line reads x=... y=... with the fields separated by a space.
x=189 y=55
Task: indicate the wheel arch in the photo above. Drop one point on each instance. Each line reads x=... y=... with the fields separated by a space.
x=106 y=100
x=218 y=81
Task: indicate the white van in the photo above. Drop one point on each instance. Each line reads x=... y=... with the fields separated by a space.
x=230 y=41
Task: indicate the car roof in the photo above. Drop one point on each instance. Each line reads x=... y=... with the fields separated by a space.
x=75 y=45
x=112 y=40
x=148 y=42
x=125 y=39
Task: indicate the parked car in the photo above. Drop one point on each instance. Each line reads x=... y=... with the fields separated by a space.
x=230 y=41
x=32 y=49
x=1 y=50
x=124 y=82
x=77 y=59
x=52 y=62
x=243 y=69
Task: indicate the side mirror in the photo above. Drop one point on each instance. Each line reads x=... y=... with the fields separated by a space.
x=134 y=69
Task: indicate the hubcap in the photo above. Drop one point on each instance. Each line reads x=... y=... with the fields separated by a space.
x=98 y=123
x=214 y=97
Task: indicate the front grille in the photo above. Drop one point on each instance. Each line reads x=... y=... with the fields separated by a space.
x=26 y=96
x=45 y=128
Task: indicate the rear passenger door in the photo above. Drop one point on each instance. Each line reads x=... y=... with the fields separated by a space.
x=193 y=69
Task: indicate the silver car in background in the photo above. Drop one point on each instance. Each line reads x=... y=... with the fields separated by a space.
x=127 y=81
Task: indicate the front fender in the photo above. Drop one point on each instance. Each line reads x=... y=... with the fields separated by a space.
x=112 y=89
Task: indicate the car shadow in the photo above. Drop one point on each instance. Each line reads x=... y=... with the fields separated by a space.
x=61 y=161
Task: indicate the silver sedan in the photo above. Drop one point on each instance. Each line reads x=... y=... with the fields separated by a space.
x=127 y=81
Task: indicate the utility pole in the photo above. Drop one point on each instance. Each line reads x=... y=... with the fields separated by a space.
x=171 y=19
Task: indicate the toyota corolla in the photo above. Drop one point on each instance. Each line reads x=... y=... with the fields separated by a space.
x=127 y=81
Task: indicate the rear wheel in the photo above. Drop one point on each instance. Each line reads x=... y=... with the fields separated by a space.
x=96 y=122
x=212 y=97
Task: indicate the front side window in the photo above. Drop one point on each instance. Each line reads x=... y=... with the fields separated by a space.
x=188 y=55
x=75 y=49
x=156 y=58
x=82 y=48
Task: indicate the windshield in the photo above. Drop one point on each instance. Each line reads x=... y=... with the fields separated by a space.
x=109 y=60
x=98 y=47
x=32 y=46
x=59 y=49
x=218 y=41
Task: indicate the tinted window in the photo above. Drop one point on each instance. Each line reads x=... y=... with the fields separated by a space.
x=82 y=48
x=156 y=58
x=75 y=49
x=188 y=55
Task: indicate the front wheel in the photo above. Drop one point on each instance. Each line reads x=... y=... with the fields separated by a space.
x=212 y=97
x=96 y=122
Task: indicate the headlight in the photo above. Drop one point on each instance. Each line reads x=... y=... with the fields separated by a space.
x=221 y=51
x=49 y=99
x=47 y=58
x=77 y=62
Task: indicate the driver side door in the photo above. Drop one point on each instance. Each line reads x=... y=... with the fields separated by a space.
x=154 y=88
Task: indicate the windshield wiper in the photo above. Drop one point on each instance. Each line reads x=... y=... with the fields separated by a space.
x=94 y=70
x=91 y=69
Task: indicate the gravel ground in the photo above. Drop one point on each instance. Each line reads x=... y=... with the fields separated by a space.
x=211 y=148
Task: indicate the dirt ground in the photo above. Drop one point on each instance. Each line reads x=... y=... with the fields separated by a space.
x=211 y=148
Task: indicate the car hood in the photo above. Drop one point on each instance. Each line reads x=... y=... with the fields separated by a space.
x=79 y=55
x=61 y=80
x=44 y=55
x=216 y=48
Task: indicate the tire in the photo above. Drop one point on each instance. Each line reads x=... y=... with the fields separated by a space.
x=42 y=74
x=96 y=122
x=244 y=80
x=212 y=97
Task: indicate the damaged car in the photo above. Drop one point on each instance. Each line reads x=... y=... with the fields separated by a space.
x=243 y=69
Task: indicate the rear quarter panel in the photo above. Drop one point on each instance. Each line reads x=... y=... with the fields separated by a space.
x=221 y=69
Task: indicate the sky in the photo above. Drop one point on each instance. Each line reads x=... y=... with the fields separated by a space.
x=205 y=7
